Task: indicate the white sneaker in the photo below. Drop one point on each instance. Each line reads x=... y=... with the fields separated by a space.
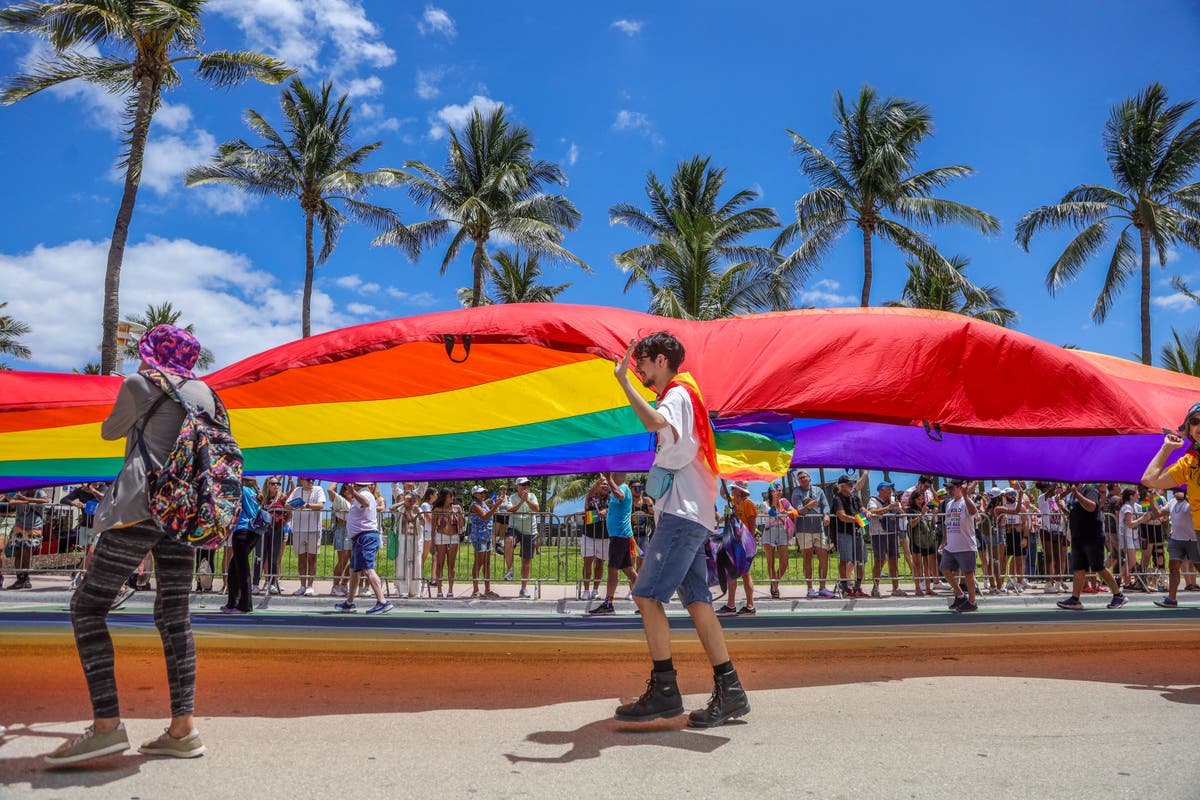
x=338 y=591
x=308 y=592
x=299 y=592
x=508 y=575
x=523 y=595
x=1051 y=588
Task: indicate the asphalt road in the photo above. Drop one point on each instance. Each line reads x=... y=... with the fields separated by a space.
x=1046 y=708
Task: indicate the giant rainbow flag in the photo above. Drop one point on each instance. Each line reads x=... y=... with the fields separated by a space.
x=528 y=389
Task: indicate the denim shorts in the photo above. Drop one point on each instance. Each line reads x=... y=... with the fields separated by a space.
x=366 y=545
x=341 y=541
x=963 y=562
x=776 y=536
x=1179 y=550
x=851 y=548
x=675 y=561
x=483 y=545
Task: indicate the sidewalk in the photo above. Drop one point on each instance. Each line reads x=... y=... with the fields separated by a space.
x=52 y=591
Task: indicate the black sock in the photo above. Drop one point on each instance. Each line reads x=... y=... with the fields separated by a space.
x=723 y=669
x=666 y=665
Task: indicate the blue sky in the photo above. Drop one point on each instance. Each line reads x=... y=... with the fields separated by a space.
x=1020 y=91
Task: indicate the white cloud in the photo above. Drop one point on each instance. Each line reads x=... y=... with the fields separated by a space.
x=436 y=20
x=824 y=294
x=639 y=123
x=572 y=154
x=455 y=116
x=364 y=87
x=1177 y=302
x=175 y=117
x=302 y=31
x=238 y=309
x=168 y=157
x=629 y=27
x=363 y=310
x=427 y=83
x=349 y=282
x=421 y=299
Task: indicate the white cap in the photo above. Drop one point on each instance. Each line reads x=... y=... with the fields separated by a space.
x=478 y=489
x=522 y=481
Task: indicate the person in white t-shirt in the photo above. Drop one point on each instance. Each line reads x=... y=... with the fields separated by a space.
x=308 y=501
x=961 y=550
x=1181 y=547
x=683 y=512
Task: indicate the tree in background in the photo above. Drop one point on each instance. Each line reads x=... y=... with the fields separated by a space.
x=149 y=38
x=513 y=280
x=930 y=285
x=491 y=185
x=868 y=179
x=1152 y=153
x=11 y=331
x=317 y=166
x=697 y=265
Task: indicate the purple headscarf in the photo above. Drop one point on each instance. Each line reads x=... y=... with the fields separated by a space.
x=170 y=349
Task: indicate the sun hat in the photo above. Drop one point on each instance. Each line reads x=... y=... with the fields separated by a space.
x=170 y=349
x=741 y=486
x=522 y=481
x=940 y=492
x=477 y=489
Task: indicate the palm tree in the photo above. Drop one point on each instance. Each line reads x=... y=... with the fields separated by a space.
x=697 y=267
x=930 y=286
x=1182 y=356
x=489 y=185
x=314 y=165
x=1151 y=165
x=151 y=37
x=867 y=180
x=164 y=314
x=515 y=281
x=11 y=331
x=90 y=368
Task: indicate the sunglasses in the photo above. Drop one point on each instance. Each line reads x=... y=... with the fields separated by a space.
x=1193 y=421
x=272 y=483
x=636 y=488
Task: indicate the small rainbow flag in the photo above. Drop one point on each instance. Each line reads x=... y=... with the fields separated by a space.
x=862 y=519
x=589 y=517
x=1145 y=507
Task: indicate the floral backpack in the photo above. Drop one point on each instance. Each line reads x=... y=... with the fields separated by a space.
x=197 y=495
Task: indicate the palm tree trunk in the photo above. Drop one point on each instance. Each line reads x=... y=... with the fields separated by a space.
x=1145 y=305
x=116 y=247
x=478 y=261
x=866 y=292
x=305 y=311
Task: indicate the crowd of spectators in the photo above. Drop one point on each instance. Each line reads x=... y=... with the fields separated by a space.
x=1021 y=536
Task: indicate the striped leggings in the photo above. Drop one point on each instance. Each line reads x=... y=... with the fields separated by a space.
x=117 y=555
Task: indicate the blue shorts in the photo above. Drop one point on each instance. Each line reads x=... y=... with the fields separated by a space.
x=482 y=545
x=851 y=548
x=963 y=562
x=675 y=561
x=365 y=546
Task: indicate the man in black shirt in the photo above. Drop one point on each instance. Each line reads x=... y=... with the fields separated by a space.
x=85 y=498
x=1087 y=546
x=847 y=525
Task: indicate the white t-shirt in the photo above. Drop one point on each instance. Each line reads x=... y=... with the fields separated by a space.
x=1182 y=528
x=960 y=528
x=1051 y=518
x=425 y=526
x=360 y=518
x=1128 y=532
x=693 y=492
x=307 y=520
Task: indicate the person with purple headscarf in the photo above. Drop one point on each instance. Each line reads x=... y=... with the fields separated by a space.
x=129 y=535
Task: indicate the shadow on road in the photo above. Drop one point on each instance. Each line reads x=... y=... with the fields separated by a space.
x=590 y=740
x=36 y=772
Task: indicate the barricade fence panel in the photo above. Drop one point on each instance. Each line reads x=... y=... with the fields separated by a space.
x=1015 y=551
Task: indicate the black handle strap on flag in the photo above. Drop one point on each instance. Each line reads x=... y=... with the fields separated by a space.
x=933 y=430
x=449 y=340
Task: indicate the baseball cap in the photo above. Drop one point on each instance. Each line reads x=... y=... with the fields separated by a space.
x=994 y=491
x=478 y=489
x=882 y=484
x=957 y=482
x=522 y=481
x=845 y=479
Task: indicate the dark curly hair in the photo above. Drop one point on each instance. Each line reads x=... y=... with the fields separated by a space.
x=660 y=343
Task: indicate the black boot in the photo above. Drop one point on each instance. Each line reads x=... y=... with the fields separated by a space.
x=660 y=700
x=728 y=701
